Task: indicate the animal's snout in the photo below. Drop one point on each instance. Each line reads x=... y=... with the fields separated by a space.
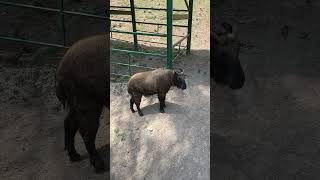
x=183 y=85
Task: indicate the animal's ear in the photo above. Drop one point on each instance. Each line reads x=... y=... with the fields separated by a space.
x=178 y=71
x=232 y=30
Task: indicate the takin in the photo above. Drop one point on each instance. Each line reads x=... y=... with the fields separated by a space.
x=82 y=84
x=158 y=82
x=227 y=69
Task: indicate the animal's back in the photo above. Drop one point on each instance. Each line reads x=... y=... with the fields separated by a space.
x=83 y=53
x=84 y=71
x=149 y=82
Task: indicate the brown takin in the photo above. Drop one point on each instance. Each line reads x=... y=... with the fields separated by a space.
x=82 y=83
x=158 y=82
x=227 y=69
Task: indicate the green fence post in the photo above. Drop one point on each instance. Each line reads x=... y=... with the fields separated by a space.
x=134 y=25
x=62 y=22
x=190 y=8
x=169 y=34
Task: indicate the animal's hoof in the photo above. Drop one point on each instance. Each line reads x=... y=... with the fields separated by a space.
x=162 y=110
x=100 y=170
x=140 y=113
x=133 y=111
x=98 y=165
x=74 y=157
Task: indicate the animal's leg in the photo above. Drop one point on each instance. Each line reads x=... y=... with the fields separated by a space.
x=162 y=98
x=131 y=104
x=89 y=125
x=70 y=130
x=137 y=101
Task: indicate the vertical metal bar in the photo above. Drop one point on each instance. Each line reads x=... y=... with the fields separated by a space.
x=189 y=26
x=169 y=33
x=134 y=25
x=62 y=22
x=129 y=65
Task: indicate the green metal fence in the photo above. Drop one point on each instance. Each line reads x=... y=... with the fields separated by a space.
x=61 y=11
x=169 y=29
x=169 y=13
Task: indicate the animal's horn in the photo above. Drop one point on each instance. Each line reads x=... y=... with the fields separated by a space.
x=231 y=28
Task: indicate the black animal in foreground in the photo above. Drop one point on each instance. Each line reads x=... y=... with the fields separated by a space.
x=82 y=83
x=152 y=82
x=227 y=69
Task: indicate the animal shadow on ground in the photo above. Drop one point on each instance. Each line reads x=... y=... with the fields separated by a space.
x=104 y=152
x=171 y=108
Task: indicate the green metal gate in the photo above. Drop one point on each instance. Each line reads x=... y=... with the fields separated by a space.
x=169 y=24
x=169 y=28
x=61 y=11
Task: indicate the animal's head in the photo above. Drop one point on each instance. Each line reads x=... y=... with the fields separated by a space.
x=227 y=69
x=178 y=79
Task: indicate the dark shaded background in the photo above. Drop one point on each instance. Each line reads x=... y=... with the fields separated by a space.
x=270 y=128
x=31 y=118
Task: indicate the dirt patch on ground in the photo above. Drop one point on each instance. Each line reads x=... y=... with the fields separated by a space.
x=270 y=128
x=173 y=145
x=32 y=145
x=31 y=119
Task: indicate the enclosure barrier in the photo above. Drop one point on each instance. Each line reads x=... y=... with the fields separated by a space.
x=135 y=33
x=169 y=24
x=61 y=11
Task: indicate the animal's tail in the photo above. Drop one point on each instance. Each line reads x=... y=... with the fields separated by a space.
x=60 y=93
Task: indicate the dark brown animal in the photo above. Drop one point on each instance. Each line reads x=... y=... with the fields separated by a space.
x=82 y=84
x=227 y=69
x=152 y=82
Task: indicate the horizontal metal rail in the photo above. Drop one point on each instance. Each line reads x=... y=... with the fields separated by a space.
x=174 y=35
x=53 y=10
x=33 y=42
x=147 y=33
x=120 y=12
x=139 y=33
x=120 y=74
x=150 y=23
x=141 y=8
x=137 y=66
x=153 y=42
x=137 y=52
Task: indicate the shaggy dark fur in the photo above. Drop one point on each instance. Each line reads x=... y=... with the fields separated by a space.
x=82 y=84
x=226 y=66
x=148 y=83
